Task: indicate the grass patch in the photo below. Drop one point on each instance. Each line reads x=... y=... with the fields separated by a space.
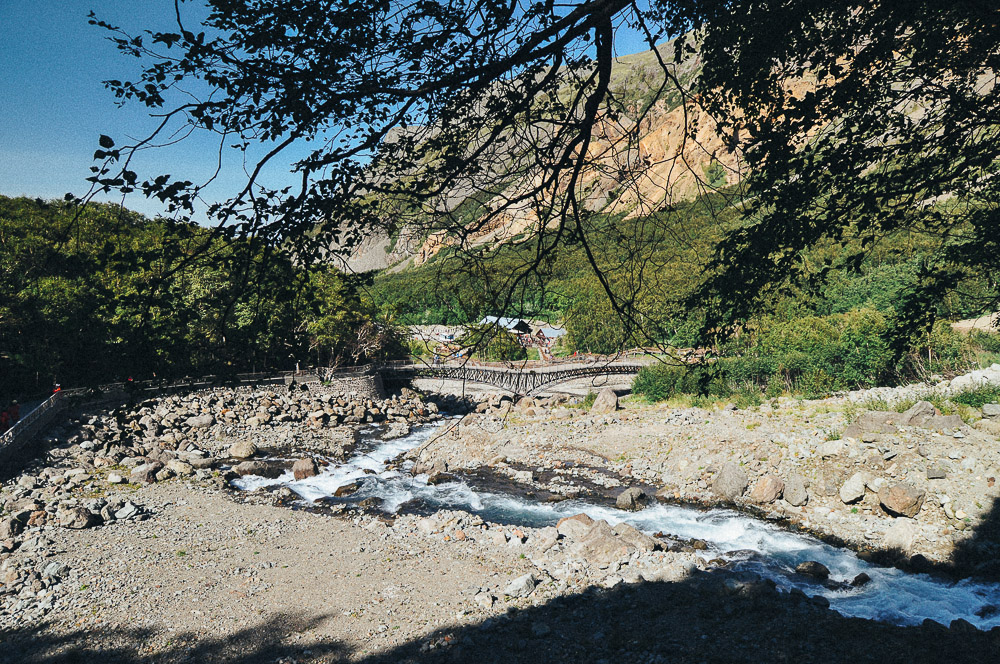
x=978 y=397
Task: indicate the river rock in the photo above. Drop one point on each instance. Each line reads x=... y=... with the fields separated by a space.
x=901 y=535
x=259 y=468
x=606 y=402
x=831 y=448
x=813 y=569
x=396 y=430
x=991 y=410
x=991 y=426
x=731 y=482
x=853 y=489
x=873 y=422
x=304 y=468
x=601 y=545
x=180 y=468
x=522 y=586
x=923 y=414
x=200 y=421
x=901 y=499
x=635 y=538
x=10 y=528
x=768 y=489
x=77 y=518
x=795 y=492
x=575 y=527
x=632 y=499
x=243 y=449
x=346 y=489
x=146 y=473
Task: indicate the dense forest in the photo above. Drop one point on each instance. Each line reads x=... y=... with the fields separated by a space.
x=101 y=293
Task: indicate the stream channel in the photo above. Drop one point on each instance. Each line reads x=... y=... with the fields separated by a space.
x=892 y=595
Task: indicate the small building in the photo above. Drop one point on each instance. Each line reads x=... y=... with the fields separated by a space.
x=515 y=325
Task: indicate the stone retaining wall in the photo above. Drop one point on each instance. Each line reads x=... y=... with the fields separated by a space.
x=367 y=385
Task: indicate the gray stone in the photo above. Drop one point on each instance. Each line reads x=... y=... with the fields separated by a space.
x=731 y=481
x=575 y=527
x=936 y=474
x=602 y=546
x=304 y=468
x=200 y=421
x=768 y=489
x=127 y=511
x=853 y=489
x=990 y=426
x=813 y=569
x=901 y=535
x=10 y=528
x=902 y=499
x=522 y=586
x=873 y=422
x=146 y=473
x=77 y=518
x=991 y=410
x=54 y=570
x=259 y=468
x=795 y=492
x=632 y=499
x=243 y=449
x=484 y=600
x=634 y=538
x=920 y=414
x=180 y=468
x=606 y=402
x=831 y=448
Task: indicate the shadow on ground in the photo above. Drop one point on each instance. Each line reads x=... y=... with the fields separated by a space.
x=700 y=619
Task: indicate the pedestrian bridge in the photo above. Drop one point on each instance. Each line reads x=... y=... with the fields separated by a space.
x=522 y=381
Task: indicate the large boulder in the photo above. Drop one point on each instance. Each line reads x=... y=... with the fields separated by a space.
x=731 y=482
x=991 y=410
x=632 y=499
x=10 y=528
x=853 y=489
x=873 y=422
x=901 y=499
x=923 y=414
x=243 y=449
x=146 y=473
x=77 y=518
x=795 y=492
x=901 y=536
x=522 y=586
x=575 y=527
x=768 y=489
x=814 y=569
x=606 y=402
x=991 y=426
x=200 y=421
x=602 y=546
x=634 y=538
x=259 y=468
x=180 y=468
x=304 y=468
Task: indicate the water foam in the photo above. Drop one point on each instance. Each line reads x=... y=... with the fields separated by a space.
x=891 y=595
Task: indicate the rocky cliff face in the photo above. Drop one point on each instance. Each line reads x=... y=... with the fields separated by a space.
x=663 y=149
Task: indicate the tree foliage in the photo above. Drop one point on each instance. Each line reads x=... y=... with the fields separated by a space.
x=101 y=294
x=453 y=119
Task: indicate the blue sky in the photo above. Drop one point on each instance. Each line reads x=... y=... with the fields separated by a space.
x=53 y=105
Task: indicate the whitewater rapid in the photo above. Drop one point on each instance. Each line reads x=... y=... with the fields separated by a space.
x=891 y=596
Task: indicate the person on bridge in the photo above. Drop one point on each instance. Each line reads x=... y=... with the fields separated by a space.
x=4 y=421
